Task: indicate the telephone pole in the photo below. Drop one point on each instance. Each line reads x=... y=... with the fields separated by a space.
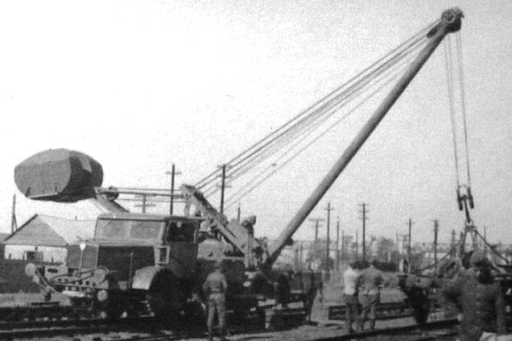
x=328 y=209
x=173 y=174
x=317 y=223
x=453 y=251
x=145 y=204
x=410 y=241
x=14 y=223
x=364 y=218
x=436 y=230
x=338 y=243
x=222 y=188
x=357 y=244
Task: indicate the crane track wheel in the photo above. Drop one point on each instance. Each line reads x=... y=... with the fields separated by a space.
x=165 y=298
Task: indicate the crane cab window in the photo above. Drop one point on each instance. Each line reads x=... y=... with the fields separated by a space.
x=117 y=229
x=180 y=231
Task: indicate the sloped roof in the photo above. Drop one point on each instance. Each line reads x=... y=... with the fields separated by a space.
x=3 y=236
x=51 y=231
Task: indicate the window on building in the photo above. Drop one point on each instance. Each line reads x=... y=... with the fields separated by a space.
x=33 y=256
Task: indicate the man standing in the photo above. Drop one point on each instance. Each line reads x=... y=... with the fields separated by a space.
x=309 y=288
x=215 y=288
x=350 y=281
x=478 y=301
x=369 y=296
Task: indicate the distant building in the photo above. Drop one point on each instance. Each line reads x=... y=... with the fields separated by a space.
x=45 y=239
x=2 y=247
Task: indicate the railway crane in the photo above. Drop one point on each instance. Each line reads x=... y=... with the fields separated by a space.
x=139 y=261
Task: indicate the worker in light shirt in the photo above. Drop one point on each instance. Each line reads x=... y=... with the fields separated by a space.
x=350 y=281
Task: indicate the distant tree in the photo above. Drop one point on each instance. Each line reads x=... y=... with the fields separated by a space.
x=318 y=253
x=386 y=249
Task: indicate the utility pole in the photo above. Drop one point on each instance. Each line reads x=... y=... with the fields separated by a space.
x=436 y=230
x=343 y=242
x=485 y=238
x=14 y=223
x=301 y=252
x=453 y=252
x=410 y=241
x=357 y=244
x=145 y=204
x=222 y=188
x=173 y=174
x=364 y=218
x=317 y=223
x=328 y=209
x=239 y=213
x=338 y=244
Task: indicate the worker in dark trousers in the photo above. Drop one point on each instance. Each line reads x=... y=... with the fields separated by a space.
x=309 y=289
x=282 y=290
x=478 y=301
x=369 y=294
x=215 y=288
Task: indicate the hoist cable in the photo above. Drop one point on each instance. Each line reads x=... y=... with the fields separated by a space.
x=201 y=183
x=310 y=129
x=328 y=108
x=451 y=100
x=463 y=102
x=237 y=196
x=317 y=119
x=333 y=109
x=326 y=101
x=366 y=81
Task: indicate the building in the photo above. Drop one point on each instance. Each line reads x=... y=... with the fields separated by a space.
x=2 y=247
x=45 y=239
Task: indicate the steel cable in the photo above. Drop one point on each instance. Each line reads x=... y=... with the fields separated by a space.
x=300 y=119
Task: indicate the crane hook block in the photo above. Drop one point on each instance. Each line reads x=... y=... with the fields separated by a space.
x=470 y=197
x=459 y=201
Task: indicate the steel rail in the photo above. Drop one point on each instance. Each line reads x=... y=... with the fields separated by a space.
x=404 y=331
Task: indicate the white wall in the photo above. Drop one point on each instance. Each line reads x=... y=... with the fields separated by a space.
x=50 y=254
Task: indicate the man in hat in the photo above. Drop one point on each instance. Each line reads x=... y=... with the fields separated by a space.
x=477 y=300
x=215 y=288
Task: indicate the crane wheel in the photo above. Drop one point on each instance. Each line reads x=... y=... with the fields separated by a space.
x=165 y=298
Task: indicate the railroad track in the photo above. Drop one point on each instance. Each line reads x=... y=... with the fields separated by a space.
x=49 y=328
x=151 y=330
x=385 y=311
x=182 y=329
x=147 y=328
x=437 y=330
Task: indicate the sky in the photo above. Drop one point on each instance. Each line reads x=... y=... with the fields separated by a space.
x=142 y=85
